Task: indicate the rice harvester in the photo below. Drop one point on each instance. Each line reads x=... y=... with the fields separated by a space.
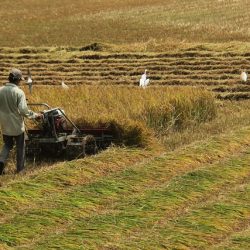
x=58 y=136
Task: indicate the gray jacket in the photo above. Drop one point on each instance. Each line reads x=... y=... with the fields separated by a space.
x=13 y=108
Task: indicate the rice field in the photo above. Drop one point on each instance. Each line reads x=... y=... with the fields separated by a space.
x=185 y=187
x=132 y=113
x=214 y=67
x=74 y=23
x=189 y=66
x=177 y=176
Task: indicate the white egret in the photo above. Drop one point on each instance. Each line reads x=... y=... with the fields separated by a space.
x=29 y=81
x=144 y=81
x=64 y=86
x=243 y=76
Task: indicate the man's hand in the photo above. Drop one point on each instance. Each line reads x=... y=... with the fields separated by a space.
x=39 y=117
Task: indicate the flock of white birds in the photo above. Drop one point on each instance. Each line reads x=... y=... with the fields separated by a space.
x=143 y=83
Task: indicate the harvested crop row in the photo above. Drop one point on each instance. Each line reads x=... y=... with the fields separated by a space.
x=179 y=167
x=87 y=170
x=188 y=67
x=234 y=96
x=239 y=88
x=155 y=67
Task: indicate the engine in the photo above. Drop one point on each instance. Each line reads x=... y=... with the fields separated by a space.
x=54 y=122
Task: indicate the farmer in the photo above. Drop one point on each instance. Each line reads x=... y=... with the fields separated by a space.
x=13 y=108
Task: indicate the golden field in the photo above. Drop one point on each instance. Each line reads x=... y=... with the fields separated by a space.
x=77 y=23
x=130 y=111
x=177 y=176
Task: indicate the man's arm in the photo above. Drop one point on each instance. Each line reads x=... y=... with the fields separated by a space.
x=23 y=108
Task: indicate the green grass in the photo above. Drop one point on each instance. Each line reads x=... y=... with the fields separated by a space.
x=133 y=200
x=238 y=240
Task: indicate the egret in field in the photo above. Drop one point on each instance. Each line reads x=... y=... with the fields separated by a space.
x=243 y=76
x=144 y=81
x=29 y=81
x=64 y=86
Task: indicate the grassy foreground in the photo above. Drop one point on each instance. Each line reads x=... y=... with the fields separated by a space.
x=194 y=197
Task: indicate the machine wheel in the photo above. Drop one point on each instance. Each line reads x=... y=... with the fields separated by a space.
x=90 y=145
x=75 y=151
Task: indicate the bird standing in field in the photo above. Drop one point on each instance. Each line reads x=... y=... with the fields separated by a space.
x=144 y=81
x=64 y=86
x=243 y=76
x=29 y=81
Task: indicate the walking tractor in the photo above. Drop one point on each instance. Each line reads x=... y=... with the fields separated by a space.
x=58 y=136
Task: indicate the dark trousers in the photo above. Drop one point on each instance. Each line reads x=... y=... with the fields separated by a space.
x=20 y=150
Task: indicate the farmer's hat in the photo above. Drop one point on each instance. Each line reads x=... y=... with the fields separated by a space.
x=16 y=74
